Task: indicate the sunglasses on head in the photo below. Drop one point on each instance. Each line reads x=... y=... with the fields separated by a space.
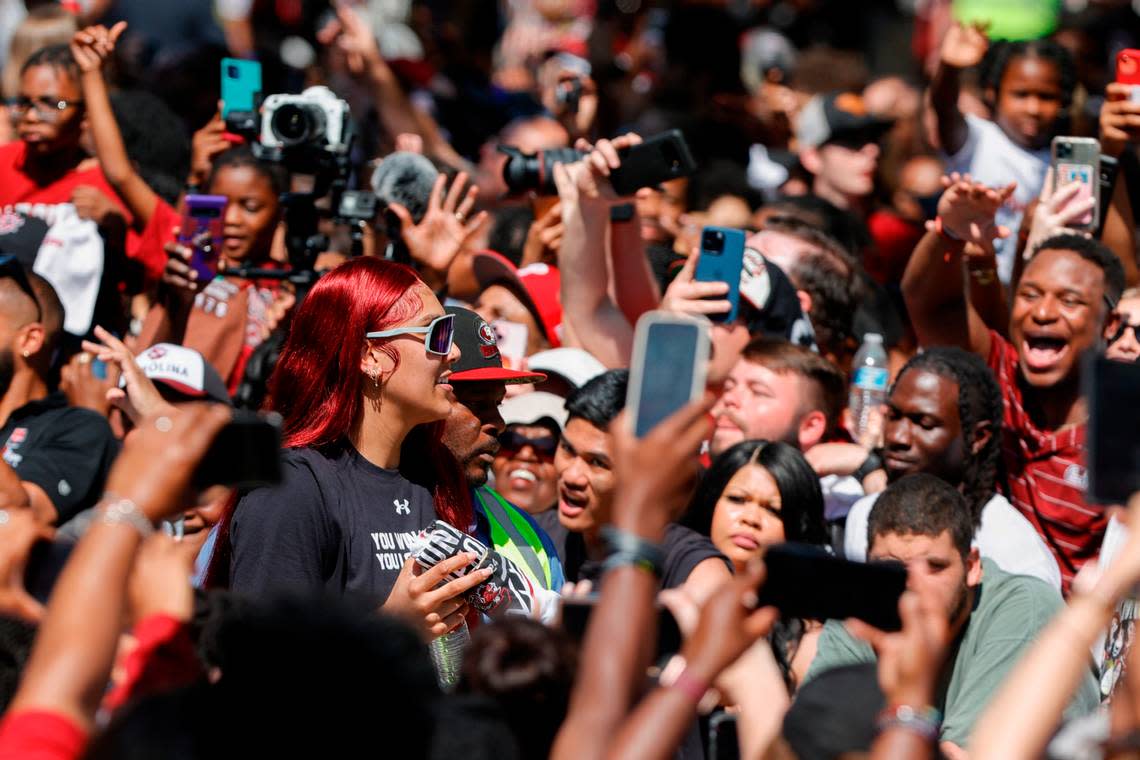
x=512 y=442
x=11 y=267
x=439 y=335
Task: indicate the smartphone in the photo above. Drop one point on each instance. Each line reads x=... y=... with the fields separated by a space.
x=1077 y=159
x=576 y=612
x=202 y=221
x=807 y=582
x=45 y=563
x=245 y=454
x=659 y=159
x=241 y=85
x=511 y=338
x=1112 y=391
x=723 y=744
x=722 y=259
x=1128 y=71
x=669 y=367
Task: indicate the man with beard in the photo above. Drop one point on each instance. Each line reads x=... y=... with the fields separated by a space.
x=1059 y=309
x=471 y=433
x=55 y=457
x=923 y=522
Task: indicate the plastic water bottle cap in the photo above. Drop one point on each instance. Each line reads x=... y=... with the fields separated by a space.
x=872 y=338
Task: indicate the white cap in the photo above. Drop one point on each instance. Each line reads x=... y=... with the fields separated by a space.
x=184 y=370
x=574 y=364
x=529 y=408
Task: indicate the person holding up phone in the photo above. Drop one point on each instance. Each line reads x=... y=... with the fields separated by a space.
x=1059 y=310
x=923 y=522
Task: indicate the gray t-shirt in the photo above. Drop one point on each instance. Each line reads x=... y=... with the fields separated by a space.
x=1009 y=612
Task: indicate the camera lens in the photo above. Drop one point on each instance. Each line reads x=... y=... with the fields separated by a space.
x=1064 y=150
x=232 y=72
x=712 y=241
x=297 y=123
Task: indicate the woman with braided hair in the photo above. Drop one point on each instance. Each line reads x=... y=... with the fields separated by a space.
x=944 y=417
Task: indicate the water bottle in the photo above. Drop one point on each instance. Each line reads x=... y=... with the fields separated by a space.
x=869 y=385
x=447 y=655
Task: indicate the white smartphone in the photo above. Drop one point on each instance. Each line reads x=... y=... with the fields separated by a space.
x=669 y=367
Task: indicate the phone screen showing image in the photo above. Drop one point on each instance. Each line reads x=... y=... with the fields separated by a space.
x=1084 y=176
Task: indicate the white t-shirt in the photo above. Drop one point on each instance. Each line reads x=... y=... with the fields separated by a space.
x=990 y=157
x=1005 y=536
x=840 y=493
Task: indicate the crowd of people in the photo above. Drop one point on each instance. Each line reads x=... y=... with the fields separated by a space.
x=420 y=278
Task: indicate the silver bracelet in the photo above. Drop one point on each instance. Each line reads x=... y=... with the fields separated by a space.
x=119 y=511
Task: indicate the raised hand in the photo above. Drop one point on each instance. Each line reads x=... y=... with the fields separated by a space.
x=160 y=582
x=687 y=295
x=964 y=45
x=544 y=237
x=92 y=46
x=444 y=230
x=139 y=398
x=207 y=142
x=1119 y=119
x=1055 y=210
x=352 y=35
x=966 y=210
x=910 y=660
x=587 y=180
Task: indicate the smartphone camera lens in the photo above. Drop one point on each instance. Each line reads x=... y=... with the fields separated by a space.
x=712 y=241
x=1064 y=150
x=232 y=72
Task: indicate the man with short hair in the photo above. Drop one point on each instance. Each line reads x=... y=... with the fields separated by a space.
x=55 y=456
x=1058 y=312
x=923 y=522
x=586 y=487
x=471 y=432
x=944 y=418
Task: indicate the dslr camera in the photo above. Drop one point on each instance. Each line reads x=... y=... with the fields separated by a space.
x=316 y=119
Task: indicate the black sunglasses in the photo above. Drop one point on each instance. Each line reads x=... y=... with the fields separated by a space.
x=512 y=442
x=10 y=266
x=1117 y=325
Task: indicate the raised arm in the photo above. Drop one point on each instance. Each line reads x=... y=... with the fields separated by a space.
x=1119 y=126
x=634 y=287
x=586 y=199
x=1020 y=720
x=75 y=648
x=91 y=47
x=654 y=478
x=962 y=47
x=933 y=284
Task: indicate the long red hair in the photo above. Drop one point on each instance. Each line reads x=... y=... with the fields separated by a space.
x=318 y=387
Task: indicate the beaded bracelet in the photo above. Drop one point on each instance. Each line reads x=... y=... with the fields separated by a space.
x=924 y=721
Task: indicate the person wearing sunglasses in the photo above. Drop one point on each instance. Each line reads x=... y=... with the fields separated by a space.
x=363 y=386
x=524 y=467
x=55 y=457
x=472 y=433
x=1122 y=329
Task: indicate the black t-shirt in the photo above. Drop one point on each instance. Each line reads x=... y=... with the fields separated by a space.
x=684 y=550
x=336 y=523
x=63 y=449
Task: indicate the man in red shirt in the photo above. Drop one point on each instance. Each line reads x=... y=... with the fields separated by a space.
x=47 y=174
x=1066 y=292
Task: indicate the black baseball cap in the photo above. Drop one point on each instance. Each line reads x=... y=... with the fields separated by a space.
x=480 y=358
x=838 y=117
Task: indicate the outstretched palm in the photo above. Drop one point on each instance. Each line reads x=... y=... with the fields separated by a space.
x=964 y=46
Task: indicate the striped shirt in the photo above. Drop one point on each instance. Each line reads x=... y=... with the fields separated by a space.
x=1047 y=477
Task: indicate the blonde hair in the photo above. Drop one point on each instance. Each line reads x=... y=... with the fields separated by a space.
x=45 y=25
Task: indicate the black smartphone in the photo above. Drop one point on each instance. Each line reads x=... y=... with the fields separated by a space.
x=807 y=582
x=246 y=453
x=576 y=617
x=723 y=743
x=45 y=563
x=659 y=159
x=1112 y=390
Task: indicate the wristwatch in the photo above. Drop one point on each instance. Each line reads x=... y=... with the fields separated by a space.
x=870 y=464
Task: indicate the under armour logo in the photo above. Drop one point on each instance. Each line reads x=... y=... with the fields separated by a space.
x=402 y=507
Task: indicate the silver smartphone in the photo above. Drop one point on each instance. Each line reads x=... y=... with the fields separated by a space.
x=669 y=367
x=1077 y=159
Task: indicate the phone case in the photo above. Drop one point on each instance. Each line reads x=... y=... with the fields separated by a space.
x=646 y=369
x=201 y=228
x=241 y=85
x=1077 y=159
x=1113 y=392
x=659 y=159
x=724 y=265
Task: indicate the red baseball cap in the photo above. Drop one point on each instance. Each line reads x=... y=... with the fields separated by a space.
x=537 y=286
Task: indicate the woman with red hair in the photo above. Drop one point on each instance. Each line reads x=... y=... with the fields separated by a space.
x=362 y=386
